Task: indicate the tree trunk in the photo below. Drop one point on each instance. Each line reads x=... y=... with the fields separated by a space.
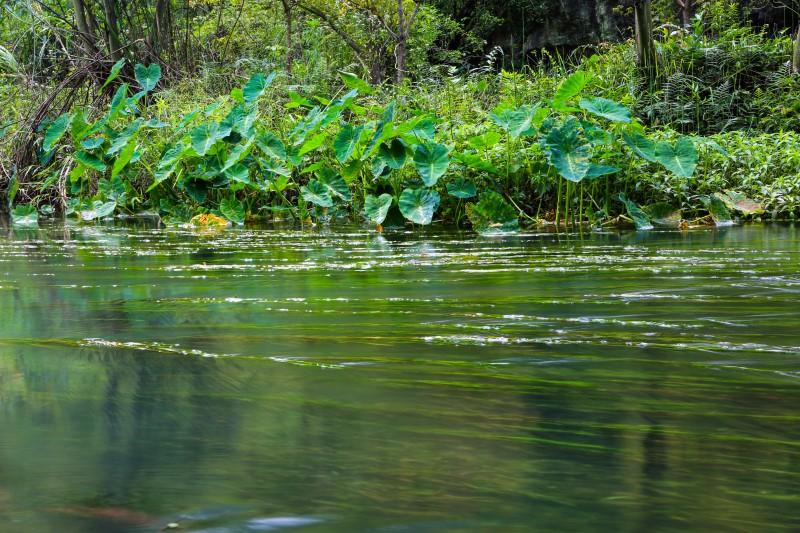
x=400 y=52
x=287 y=15
x=645 y=47
x=163 y=31
x=112 y=29
x=685 y=8
x=796 y=53
x=87 y=34
x=401 y=55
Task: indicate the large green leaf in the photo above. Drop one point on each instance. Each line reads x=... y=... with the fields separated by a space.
x=640 y=145
x=640 y=218
x=419 y=205
x=121 y=140
x=376 y=208
x=25 y=215
x=271 y=146
x=232 y=209
x=317 y=194
x=168 y=163
x=334 y=184
x=147 y=76
x=123 y=158
x=205 y=136
x=462 y=188
x=418 y=130
x=354 y=82
x=596 y=171
x=663 y=214
x=196 y=189
x=115 y=70
x=431 y=161
x=716 y=208
x=55 y=131
x=608 y=109
x=313 y=143
x=569 y=88
x=516 y=122
x=97 y=209
x=567 y=152
x=256 y=86
x=78 y=126
x=680 y=158
x=492 y=214
x=118 y=102
x=90 y=160
x=346 y=141
x=92 y=143
x=239 y=173
x=274 y=167
x=393 y=154
x=237 y=153
x=737 y=201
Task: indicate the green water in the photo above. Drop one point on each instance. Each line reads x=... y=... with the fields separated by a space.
x=345 y=381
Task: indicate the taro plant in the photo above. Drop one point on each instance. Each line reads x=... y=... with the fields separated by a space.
x=338 y=157
x=102 y=150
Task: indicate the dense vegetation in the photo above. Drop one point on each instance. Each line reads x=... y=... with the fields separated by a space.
x=392 y=113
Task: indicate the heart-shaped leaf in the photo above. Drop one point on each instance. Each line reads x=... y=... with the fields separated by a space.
x=55 y=131
x=419 y=205
x=90 y=160
x=680 y=159
x=256 y=86
x=97 y=209
x=608 y=109
x=567 y=152
x=716 y=208
x=393 y=154
x=377 y=207
x=232 y=209
x=737 y=201
x=461 y=188
x=346 y=141
x=239 y=173
x=317 y=194
x=25 y=215
x=640 y=145
x=313 y=143
x=147 y=76
x=271 y=146
x=334 y=184
x=206 y=135
x=516 y=122
x=569 y=88
x=431 y=161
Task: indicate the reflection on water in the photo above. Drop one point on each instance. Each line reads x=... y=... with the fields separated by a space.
x=345 y=381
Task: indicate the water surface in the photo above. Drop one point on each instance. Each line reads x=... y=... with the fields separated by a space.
x=277 y=380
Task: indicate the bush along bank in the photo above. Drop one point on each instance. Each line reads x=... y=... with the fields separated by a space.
x=254 y=155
